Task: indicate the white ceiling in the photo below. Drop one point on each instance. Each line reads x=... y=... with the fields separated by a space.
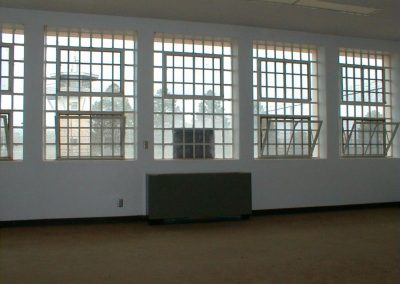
x=384 y=23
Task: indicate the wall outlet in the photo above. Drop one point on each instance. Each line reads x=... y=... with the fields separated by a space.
x=120 y=202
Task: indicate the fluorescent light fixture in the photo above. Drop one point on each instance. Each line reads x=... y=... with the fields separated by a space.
x=346 y=8
x=326 y=5
x=282 y=1
x=288 y=2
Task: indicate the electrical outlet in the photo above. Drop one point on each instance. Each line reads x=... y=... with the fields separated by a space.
x=121 y=202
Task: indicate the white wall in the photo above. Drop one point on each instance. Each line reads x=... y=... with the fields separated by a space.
x=37 y=189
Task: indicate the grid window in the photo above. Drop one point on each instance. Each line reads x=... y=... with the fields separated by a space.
x=367 y=129
x=285 y=101
x=90 y=80
x=193 y=98
x=90 y=71
x=292 y=136
x=11 y=92
x=188 y=74
x=193 y=144
x=90 y=135
x=5 y=67
x=5 y=145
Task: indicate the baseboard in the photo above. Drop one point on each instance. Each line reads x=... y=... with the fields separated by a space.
x=324 y=208
x=129 y=219
x=72 y=221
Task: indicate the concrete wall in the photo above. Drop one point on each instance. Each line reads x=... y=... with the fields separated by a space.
x=38 y=189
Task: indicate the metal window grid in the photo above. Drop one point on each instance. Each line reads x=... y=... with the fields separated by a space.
x=361 y=84
x=365 y=111
x=11 y=91
x=90 y=135
x=5 y=136
x=6 y=67
x=90 y=70
x=102 y=81
x=285 y=87
x=367 y=136
x=282 y=80
x=293 y=136
x=193 y=143
x=198 y=104
x=191 y=74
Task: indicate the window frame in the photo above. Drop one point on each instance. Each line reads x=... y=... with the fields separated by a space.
x=365 y=111
x=91 y=115
x=165 y=82
x=12 y=39
x=289 y=99
x=284 y=62
x=387 y=140
x=10 y=66
x=185 y=145
x=312 y=139
x=90 y=49
x=6 y=117
x=362 y=78
x=191 y=108
x=103 y=65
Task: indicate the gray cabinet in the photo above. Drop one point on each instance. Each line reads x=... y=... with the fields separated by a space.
x=198 y=196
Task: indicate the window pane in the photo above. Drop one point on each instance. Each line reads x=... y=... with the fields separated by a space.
x=196 y=82
x=367 y=129
x=285 y=98
x=11 y=92
x=90 y=77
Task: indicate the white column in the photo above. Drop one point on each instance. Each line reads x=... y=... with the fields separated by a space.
x=244 y=115
x=33 y=100
x=332 y=102
x=144 y=107
x=145 y=95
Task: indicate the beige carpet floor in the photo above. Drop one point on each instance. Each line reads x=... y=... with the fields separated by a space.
x=350 y=246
